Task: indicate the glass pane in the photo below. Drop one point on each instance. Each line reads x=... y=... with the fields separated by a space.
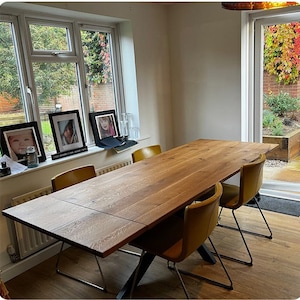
x=281 y=111
x=57 y=90
x=49 y=38
x=97 y=58
x=11 y=104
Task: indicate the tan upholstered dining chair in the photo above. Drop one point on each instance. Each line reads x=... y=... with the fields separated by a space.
x=145 y=152
x=64 y=180
x=251 y=177
x=72 y=177
x=176 y=238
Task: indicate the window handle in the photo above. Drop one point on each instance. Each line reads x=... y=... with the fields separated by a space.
x=28 y=90
x=31 y=107
x=56 y=53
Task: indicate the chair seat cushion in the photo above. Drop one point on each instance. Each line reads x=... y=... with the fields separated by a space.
x=165 y=239
x=230 y=196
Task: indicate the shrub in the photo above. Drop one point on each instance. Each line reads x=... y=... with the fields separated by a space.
x=277 y=128
x=268 y=119
x=282 y=103
x=272 y=122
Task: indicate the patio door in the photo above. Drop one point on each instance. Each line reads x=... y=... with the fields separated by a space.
x=274 y=187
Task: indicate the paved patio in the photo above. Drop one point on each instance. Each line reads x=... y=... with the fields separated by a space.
x=282 y=180
x=289 y=172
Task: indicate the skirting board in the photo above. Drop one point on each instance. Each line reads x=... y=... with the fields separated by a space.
x=14 y=269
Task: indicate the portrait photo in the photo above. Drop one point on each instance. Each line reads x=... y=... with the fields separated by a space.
x=104 y=125
x=67 y=132
x=16 y=138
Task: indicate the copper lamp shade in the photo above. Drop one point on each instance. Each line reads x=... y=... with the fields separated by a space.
x=256 y=5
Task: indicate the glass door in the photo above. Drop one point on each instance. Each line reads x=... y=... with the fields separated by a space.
x=276 y=100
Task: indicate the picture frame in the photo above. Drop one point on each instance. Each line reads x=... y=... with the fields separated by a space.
x=104 y=124
x=67 y=133
x=15 y=139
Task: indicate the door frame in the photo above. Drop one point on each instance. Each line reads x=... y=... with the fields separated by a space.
x=252 y=84
x=251 y=66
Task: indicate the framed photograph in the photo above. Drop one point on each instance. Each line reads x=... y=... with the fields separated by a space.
x=67 y=133
x=16 y=138
x=104 y=125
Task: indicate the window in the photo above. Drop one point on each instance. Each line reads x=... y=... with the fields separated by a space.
x=97 y=54
x=11 y=98
x=50 y=66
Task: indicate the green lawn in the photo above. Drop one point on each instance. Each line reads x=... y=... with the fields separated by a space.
x=46 y=127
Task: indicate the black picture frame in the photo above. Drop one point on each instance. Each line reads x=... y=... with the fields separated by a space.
x=67 y=133
x=10 y=137
x=98 y=130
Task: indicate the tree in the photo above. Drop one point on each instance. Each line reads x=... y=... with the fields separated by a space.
x=96 y=50
x=8 y=71
x=282 y=52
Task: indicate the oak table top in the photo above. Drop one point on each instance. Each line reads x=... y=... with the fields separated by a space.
x=104 y=213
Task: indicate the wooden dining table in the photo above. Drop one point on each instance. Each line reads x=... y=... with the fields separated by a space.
x=104 y=213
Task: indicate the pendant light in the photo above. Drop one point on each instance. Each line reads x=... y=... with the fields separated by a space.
x=256 y=5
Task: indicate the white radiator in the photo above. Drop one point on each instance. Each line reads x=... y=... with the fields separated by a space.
x=30 y=240
x=113 y=167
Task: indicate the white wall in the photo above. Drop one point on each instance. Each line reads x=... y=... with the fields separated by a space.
x=205 y=71
x=187 y=60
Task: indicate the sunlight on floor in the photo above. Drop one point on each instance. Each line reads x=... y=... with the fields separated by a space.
x=282 y=181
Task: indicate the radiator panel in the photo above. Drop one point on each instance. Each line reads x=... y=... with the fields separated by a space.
x=30 y=240
x=113 y=167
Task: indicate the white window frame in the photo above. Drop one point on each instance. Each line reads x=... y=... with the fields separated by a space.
x=29 y=56
x=251 y=66
x=43 y=53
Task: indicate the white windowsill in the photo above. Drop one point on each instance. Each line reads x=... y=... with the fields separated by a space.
x=50 y=163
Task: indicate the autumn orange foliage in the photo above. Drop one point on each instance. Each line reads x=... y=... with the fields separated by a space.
x=7 y=103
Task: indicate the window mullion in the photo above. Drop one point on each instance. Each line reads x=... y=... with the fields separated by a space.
x=31 y=103
x=117 y=75
x=82 y=84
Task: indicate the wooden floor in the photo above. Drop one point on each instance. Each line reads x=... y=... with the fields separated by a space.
x=274 y=275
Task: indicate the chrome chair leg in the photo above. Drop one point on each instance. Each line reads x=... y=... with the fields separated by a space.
x=249 y=263
x=258 y=234
x=217 y=283
x=247 y=231
x=181 y=281
x=58 y=271
x=211 y=281
x=229 y=287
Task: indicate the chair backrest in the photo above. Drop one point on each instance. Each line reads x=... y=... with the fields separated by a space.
x=251 y=178
x=72 y=177
x=200 y=219
x=145 y=152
